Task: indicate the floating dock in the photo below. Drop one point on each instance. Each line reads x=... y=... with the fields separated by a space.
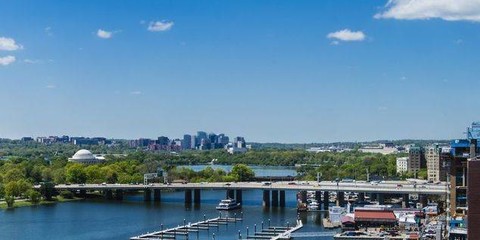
x=273 y=233
x=183 y=231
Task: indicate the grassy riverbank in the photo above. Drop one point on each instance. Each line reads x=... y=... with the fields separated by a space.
x=26 y=203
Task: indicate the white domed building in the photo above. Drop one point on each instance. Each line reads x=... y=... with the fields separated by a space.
x=86 y=157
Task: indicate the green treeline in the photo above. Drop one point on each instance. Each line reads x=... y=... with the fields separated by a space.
x=24 y=165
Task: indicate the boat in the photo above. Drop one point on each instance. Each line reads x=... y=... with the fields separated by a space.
x=313 y=206
x=228 y=204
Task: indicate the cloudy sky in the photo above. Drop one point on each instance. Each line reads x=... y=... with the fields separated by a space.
x=283 y=71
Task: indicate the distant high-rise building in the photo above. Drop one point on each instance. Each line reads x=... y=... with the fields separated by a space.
x=436 y=162
x=239 y=142
x=222 y=140
x=27 y=139
x=193 y=142
x=201 y=135
x=143 y=142
x=213 y=139
x=415 y=158
x=473 y=132
x=163 y=141
x=187 y=141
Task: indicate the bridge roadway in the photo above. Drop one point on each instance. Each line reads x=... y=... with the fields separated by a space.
x=397 y=187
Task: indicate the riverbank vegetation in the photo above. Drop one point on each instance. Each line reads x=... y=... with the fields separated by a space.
x=24 y=165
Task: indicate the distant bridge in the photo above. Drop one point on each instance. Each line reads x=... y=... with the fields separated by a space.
x=396 y=187
x=273 y=192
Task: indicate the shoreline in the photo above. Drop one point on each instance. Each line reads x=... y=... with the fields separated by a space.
x=26 y=203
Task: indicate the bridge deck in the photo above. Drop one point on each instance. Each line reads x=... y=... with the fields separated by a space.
x=386 y=187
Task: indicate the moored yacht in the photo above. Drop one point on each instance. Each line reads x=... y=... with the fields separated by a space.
x=228 y=204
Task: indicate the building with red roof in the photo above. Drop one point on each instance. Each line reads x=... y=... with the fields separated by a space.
x=375 y=217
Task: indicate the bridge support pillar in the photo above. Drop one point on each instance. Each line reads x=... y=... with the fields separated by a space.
x=274 y=198
x=340 y=199
x=318 y=196
x=381 y=198
x=282 y=198
x=196 y=196
x=83 y=193
x=266 y=198
x=188 y=196
x=422 y=198
x=361 y=197
x=119 y=194
x=147 y=195
x=373 y=196
x=230 y=193
x=326 y=200
x=405 y=199
x=303 y=196
x=238 y=195
x=109 y=194
x=157 y=195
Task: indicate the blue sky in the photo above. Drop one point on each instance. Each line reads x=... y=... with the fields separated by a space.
x=283 y=71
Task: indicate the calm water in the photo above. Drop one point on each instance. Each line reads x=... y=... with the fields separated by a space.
x=102 y=219
x=260 y=171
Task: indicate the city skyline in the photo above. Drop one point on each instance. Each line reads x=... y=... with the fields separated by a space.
x=271 y=71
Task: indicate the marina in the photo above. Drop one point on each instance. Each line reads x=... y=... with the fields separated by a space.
x=186 y=229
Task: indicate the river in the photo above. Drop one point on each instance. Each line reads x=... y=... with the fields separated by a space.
x=260 y=171
x=110 y=219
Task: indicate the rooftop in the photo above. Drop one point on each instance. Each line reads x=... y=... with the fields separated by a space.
x=374 y=215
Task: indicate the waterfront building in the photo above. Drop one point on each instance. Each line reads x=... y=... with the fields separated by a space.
x=461 y=151
x=86 y=157
x=402 y=165
x=415 y=158
x=473 y=193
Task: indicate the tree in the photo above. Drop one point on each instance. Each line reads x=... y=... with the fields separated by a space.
x=13 y=174
x=242 y=172
x=10 y=201
x=66 y=194
x=47 y=175
x=33 y=196
x=76 y=173
x=12 y=189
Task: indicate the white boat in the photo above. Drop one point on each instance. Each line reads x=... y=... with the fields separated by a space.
x=228 y=204
x=313 y=206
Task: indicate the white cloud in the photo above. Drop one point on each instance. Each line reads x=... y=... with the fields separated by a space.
x=48 y=31
x=9 y=44
x=346 y=35
x=31 y=61
x=382 y=108
x=449 y=10
x=51 y=86
x=104 y=34
x=4 y=61
x=160 y=26
x=136 y=93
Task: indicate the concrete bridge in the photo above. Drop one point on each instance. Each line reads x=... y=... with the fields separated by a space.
x=273 y=192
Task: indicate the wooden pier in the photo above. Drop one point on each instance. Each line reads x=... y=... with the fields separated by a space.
x=183 y=231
